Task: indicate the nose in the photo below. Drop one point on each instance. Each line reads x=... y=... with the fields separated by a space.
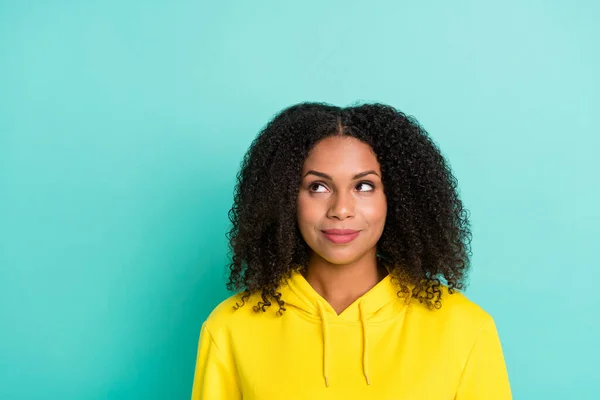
x=342 y=206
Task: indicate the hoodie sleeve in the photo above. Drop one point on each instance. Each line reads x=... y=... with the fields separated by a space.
x=484 y=375
x=213 y=377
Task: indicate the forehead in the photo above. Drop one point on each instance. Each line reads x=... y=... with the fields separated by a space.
x=341 y=154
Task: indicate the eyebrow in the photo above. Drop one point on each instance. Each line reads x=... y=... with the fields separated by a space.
x=325 y=176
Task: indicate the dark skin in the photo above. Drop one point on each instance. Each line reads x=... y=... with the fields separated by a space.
x=426 y=235
x=342 y=189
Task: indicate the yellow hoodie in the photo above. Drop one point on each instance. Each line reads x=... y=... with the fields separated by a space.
x=378 y=348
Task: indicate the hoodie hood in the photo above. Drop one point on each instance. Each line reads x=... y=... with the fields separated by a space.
x=379 y=304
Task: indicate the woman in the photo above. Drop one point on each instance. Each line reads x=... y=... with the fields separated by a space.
x=349 y=247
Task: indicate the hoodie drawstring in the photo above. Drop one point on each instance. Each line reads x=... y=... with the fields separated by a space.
x=365 y=360
x=325 y=342
x=363 y=320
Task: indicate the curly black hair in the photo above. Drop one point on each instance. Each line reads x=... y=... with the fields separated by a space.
x=427 y=234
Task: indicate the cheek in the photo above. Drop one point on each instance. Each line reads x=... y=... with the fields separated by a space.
x=375 y=212
x=307 y=211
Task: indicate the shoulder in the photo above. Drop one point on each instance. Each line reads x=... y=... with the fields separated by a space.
x=231 y=313
x=459 y=302
x=457 y=310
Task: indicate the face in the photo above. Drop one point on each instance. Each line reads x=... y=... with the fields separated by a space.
x=341 y=203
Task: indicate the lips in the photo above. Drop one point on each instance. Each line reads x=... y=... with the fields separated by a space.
x=340 y=236
x=339 y=231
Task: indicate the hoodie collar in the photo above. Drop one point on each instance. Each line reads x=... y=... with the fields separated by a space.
x=299 y=294
x=381 y=302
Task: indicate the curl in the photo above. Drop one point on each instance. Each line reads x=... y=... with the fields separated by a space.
x=426 y=239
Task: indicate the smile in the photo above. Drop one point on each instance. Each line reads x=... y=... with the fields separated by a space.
x=340 y=237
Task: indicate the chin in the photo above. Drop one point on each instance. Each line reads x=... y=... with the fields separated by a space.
x=339 y=259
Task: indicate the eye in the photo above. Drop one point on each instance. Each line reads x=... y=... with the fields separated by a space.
x=365 y=186
x=314 y=187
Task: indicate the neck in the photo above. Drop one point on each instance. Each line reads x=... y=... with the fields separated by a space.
x=341 y=285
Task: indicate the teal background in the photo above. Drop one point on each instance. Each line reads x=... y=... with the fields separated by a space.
x=122 y=125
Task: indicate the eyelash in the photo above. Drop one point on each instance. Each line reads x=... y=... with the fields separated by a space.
x=312 y=184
